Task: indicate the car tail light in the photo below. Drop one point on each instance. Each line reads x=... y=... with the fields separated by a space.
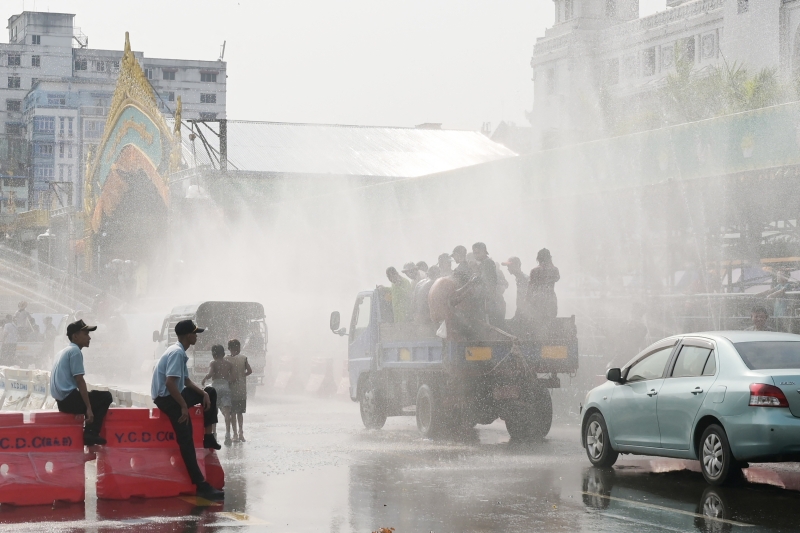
x=763 y=395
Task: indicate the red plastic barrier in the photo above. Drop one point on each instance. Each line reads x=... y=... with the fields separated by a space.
x=215 y=475
x=142 y=458
x=41 y=461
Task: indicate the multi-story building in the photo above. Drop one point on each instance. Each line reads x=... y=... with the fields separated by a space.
x=598 y=49
x=55 y=93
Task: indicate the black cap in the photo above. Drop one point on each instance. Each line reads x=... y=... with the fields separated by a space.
x=458 y=249
x=184 y=327
x=479 y=246
x=444 y=257
x=80 y=325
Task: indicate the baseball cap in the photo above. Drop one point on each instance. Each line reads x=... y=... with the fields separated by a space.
x=512 y=261
x=184 y=327
x=458 y=249
x=80 y=325
x=444 y=257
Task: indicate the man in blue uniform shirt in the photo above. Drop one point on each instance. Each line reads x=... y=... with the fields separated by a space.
x=68 y=387
x=174 y=392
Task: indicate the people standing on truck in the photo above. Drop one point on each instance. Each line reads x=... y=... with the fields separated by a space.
x=24 y=321
x=422 y=267
x=541 y=288
x=68 y=386
x=401 y=295
x=462 y=272
x=486 y=271
x=220 y=372
x=445 y=264
x=174 y=393
x=10 y=338
x=241 y=369
x=759 y=316
x=514 y=266
x=412 y=272
x=420 y=305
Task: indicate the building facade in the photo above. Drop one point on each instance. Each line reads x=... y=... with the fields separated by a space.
x=599 y=49
x=55 y=93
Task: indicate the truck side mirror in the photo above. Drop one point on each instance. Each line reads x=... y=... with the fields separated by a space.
x=335 y=319
x=615 y=375
x=156 y=336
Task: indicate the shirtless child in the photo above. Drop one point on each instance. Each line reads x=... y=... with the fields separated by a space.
x=220 y=372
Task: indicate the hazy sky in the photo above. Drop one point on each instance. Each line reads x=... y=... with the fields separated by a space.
x=381 y=62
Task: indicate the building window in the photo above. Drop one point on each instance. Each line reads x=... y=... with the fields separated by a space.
x=100 y=66
x=208 y=116
x=61 y=150
x=43 y=124
x=36 y=61
x=611 y=74
x=208 y=98
x=13 y=128
x=744 y=6
x=34 y=81
x=168 y=75
x=688 y=50
x=550 y=80
x=611 y=8
x=69 y=151
x=170 y=96
x=568 y=9
x=69 y=173
x=114 y=66
x=42 y=149
x=149 y=73
x=80 y=64
x=59 y=100
x=13 y=82
x=43 y=171
x=14 y=60
x=61 y=172
x=69 y=129
x=61 y=126
x=13 y=105
x=94 y=128
x=208 y=77
x=649 y=62
x=36 y=39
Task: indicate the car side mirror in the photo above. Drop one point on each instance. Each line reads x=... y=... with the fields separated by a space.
x=615 y=375
x=156 y=336
x=335 y=320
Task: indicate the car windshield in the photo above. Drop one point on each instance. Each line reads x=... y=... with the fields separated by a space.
x=770 y=354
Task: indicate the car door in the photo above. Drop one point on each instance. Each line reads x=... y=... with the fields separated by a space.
x=690 y=376
x=633 y=403
x=360 y=338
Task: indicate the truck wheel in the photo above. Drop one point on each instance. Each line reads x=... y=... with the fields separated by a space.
x=429 y=414
x=531 y=419
x=373 y=407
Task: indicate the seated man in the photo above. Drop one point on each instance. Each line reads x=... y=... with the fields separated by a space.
x=68 y=387
x=173 y=392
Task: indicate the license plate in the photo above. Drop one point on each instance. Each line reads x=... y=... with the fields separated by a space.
x=478 y=353
x=554 y=352
x=506 y=392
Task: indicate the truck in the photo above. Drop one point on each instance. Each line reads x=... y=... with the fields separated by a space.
x=398 y=369
x=223 y=321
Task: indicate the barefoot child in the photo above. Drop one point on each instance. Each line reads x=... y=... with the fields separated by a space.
x=220 y=374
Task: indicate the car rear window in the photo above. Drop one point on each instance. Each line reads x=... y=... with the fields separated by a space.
x=770 y=354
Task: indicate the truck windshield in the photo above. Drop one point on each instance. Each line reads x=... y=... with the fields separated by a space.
x=770 y=354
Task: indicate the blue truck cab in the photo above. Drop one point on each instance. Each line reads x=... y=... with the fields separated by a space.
x=398 y=369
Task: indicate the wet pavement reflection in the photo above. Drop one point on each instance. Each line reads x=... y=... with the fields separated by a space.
x=308 y=465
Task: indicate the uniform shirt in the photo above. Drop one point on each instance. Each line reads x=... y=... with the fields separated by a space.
x=10 y=335
x=171 y=364
x=69 y=363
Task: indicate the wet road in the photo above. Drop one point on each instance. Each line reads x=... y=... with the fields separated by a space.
x=309 y=466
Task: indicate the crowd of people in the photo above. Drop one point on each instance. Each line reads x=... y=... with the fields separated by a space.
x=478 y=283
x=21 y=327
x=172 y=390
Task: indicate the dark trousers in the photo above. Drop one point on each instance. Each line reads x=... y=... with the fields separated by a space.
x=99 y=400
x=183 y=432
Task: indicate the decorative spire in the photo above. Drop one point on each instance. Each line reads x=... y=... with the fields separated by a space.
x=127 y=43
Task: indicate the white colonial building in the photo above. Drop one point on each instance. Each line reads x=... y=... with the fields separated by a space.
x=55 y=92
x=602 y=47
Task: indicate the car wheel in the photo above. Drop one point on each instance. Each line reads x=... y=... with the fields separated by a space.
x=430 y=418
x=715 y=513
x=598 y=444
x=373 y=407
x=716 y=459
